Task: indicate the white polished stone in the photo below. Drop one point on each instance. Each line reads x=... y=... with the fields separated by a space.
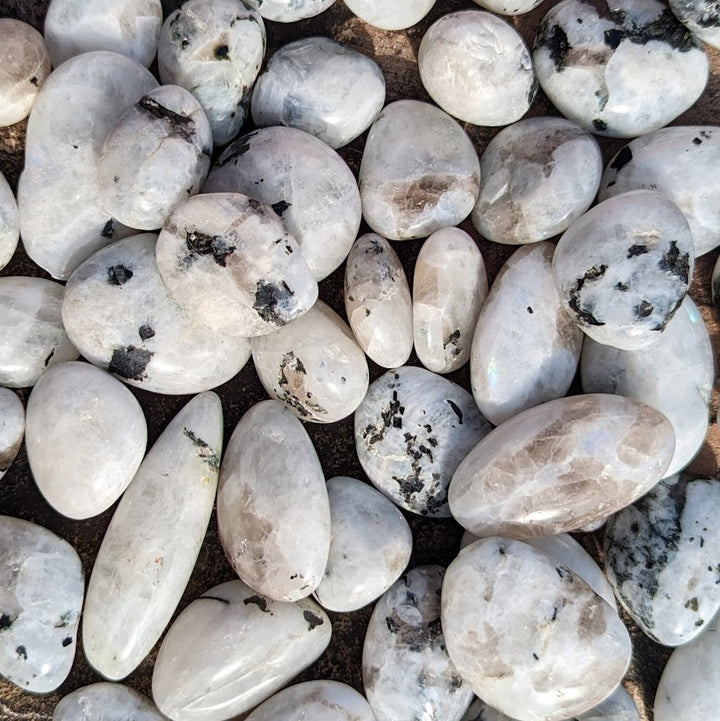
x=9 y=223
x=476 y=67
x=377 y=301
x=391 y=15
x=106 y=702
x=525 y=347
x=322 y=87
x=509 y=7
x=231 y=648
x=700 y=17
x=289 y=11
x=12 y=427
x=419 y=172
x=41 y=594
x=306 y=183
x=85 y=436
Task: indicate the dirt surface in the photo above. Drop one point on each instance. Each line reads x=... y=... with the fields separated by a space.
x=435 y=541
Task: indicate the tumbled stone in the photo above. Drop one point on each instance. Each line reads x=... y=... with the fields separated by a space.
x=623 y=268
x=411 y=432
x=377 y=301
x=476 y=67
x=289 y=11
x=553 y=651
x=85 y=436
x=273 y=508
x=9 y=223
x=391 y=16
x=41 y=594
x=370 y=546
x=322 y=87
x=313 y=365
x=75 y=109
x=231 y=263
x=12 y=428
x=419 y=172
x=537 y=177
x=119 y=314
x=509 y=7
x=106 y=701
x=676 y=377
x=214 y=49
x=31 y=328
x=306 y=183
x=406 y=670
x=153 y=540
x=700 y=17
x=560 y=466
x=24 y=65
x=618 y=69
x=682 y=163
x=231 y=648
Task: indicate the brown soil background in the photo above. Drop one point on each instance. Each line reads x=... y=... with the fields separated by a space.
x=436 y=541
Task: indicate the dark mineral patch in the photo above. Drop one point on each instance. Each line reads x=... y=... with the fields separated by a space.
x=178 y=124
x=258 y=601
x=6 y=621
x=280 y=207
x=145 y=332
x=130 y=362
x=108 y=229
x=222 y=52
x=622 y=158
x=665 y=28
x=119 y=274
x=643 y=309
x=635 y=250
x=675 y=263
x=312 y=620
x=272 y=300
x=582 y=310
x=599 y=125
x=199 y=243
x=206 y=453
x=456 y=410
x=555 y=39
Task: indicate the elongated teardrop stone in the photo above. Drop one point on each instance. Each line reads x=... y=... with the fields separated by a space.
x=12 y=427
x=9 y=223
x=106 y=701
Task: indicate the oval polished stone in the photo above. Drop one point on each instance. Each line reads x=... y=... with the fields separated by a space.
x=419 y=172
x=551 y=652
x=406 y=670
x=537 y=177
x=41 y=594
x=322 y=87
x=509 y=7
x=153 y=540
x=560 y=466
x=411 y=432
x=85 y=436
x=623 y=268
x=370 y=546
x=230 y=649
x=12 y=428
x=273 y=508
x=32 y=330
x=377 y=301
x=676 y=377
x=289 y=11
x=391 y=16
x=120 y=315
x=306 y=183
x=9 y=223
x=523 y=311
x=106 y=701
x=313 y=365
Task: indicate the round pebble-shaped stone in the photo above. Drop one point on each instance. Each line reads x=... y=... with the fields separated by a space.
x=313 y=365
x=618 y=69
x=306 y=183
x=12 y=427
x=322 y=87
x=214 y=49
x=412 y=430
x=391 y=16
x=41 y=594
x=552 y=652
x=623 y=268
x=419 y=172
x=476 y=67
x=682 y=163
x=509 y=7
x=700 y=17
x=289 y=11
x=370 y=546
x=106 y=701
x=406 y=669
x=232 y=264
x=9 y=223
x=560 y=466
x=157 y=155
x=537 y=177
x=377 y=301
x=523 y=311
x=24 y=65
x=85 y=437
x=31 y=328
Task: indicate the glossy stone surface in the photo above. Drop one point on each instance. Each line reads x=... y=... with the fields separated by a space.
x=412 y=430
x=623 y=268
x=391 y=16
x=313 y=365
x=320 y=86
x=419 y=172
x=509 y=7
x=106 y=701
x=552 y=652
x=476 y=67
x=525 y=348
x=622 y=68
x=377 y=301
x=560 y=466
x=289 y=11
x=700 y=17
x=306 y=183
x=537 y=177
x=12 y=427
x=41 y=594
x=231 y=648
x=9 y=223
x=85 y=436
x=406 y=670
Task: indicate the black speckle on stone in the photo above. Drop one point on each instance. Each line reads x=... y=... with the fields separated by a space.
x=145 y=332
x=693 y=604
x=178 y=124
x=623 y=287
x=64 y=619
x=635 y=250
x=392 y=624
x=556 y=41
x=21 y=651
x=643 y=309
x=675 y=263
x=75 y=146
x=312 y=620
x=222 y=52
x=280 y=207
x=501 y=549
x=529 y=310
x=217 y=598
x=584 y=311
x=621 y=159
x=270 y=299
x=236 y=149
x=599 y=125
x=205 y=244
x=565 y=573
x=119 y=274
x=49 y=358
x=130 y=362
x=6 y=621
x=205 y=452
x=699 y=622
x=456 y=410
x=258 y=601
x=35 y=81
x=613 y=37
x=697 y=141
x=536 y=657
x=66 y=641
x=108 y=229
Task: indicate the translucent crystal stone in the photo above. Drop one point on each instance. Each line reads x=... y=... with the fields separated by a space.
x=12 y=428
x=289 y=11
x=106 y=701
x=9 y=223
x=391 y=15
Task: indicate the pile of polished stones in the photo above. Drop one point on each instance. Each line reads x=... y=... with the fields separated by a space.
x=182 y=245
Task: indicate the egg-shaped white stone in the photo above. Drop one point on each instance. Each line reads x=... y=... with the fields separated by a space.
x=391 y=15
x=109 y=701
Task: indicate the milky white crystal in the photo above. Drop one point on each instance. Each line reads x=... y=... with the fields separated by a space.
x=391 y=15
x=12 y=427
x=289 y=11
x=106 y=701
x=509 y=7
x=9 y=223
